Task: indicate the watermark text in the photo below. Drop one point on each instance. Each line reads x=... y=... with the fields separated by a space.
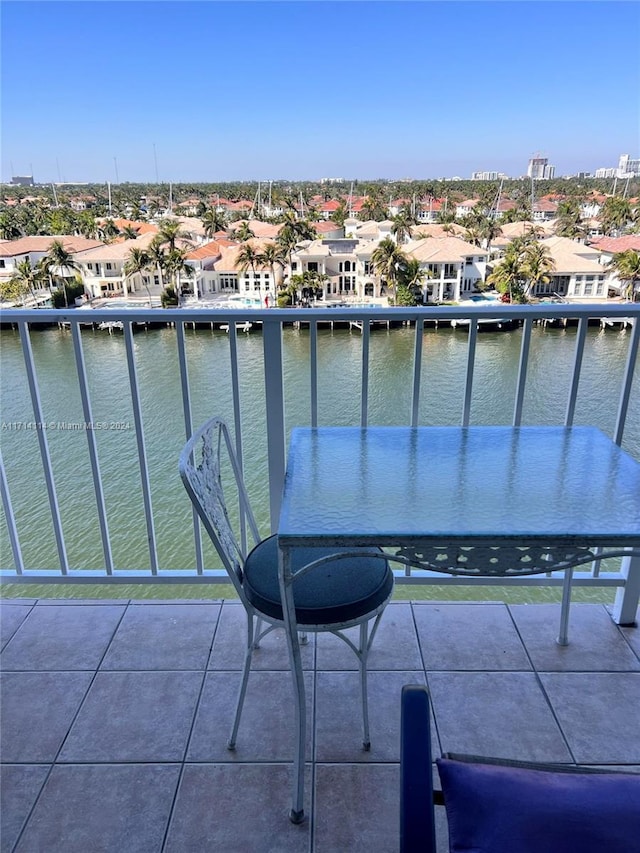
x=77 y=426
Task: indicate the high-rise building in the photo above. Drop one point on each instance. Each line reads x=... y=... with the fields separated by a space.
x=628 y=168
x=22 y=180
x=605 y=173
x=487 y=176
x=539 y=168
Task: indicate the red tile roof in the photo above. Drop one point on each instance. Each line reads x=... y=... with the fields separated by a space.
x=616 y=244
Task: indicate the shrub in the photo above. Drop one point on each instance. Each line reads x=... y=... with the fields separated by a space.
x=169 y=297
x=73 y=290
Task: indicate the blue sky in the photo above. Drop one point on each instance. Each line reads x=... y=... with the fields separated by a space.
x=216 y=91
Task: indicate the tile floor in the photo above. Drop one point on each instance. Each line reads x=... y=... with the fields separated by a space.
x=115 y=717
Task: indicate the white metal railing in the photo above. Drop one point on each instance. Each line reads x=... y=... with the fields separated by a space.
x=272 y=325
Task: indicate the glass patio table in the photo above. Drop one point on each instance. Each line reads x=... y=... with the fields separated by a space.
x=473 y=501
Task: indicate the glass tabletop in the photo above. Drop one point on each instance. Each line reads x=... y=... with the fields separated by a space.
x=388 y=485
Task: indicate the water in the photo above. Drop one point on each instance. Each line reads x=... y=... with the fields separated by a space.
x=339 y=365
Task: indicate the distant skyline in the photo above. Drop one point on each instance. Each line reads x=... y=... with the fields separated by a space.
x=220 y=91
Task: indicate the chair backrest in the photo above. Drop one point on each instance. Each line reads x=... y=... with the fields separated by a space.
x=204 y=476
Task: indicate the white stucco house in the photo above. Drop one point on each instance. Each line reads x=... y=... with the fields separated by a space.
x=455 y=268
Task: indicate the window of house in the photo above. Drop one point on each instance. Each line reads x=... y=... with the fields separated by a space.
x=294 y=265
x=109 y=266
x=468 y=260
x=312 y=266
x=588 y=288
x=599 y=288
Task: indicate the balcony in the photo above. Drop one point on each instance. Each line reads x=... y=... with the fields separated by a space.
x=116 y=711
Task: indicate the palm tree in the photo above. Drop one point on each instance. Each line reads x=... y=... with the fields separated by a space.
x=9 y=226
x=340 y=213
x=374 y=207
x=508 y=277
x=243 y=232
x=138 y=262
x=626 y=265
x=213 y=221
x=569 y=220
x=157 y=258
x=412 y=274
x=129 y=232
x=293 y=232
x=58 y=257
x=388 y=261
x=536 y=265
x=616 y=213
x=25 y=280
x=489 y=230
x=472 y=232
x=248 y=256
x=177 y=266
x=273 y=255
x=169 y=232
x=108 y=230
x=401 y=228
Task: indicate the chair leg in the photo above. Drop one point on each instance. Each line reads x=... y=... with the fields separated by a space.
x=245 y=678
x=256 y=642
x=362 y=656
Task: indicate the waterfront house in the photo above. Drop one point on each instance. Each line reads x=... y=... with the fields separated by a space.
x=202 y=261
x=455 y=267
x=335 y=259
x=34 y=249
x=228 y=276
x=610 y=246
x=102 y=268
x=577 y=273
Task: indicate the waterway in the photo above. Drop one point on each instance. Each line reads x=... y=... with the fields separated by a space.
x=339 y=365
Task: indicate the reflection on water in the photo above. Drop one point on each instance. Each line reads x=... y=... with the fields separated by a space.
x=340 y=375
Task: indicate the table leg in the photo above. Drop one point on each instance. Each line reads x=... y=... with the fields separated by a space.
x=295 y=661
x=625 y=608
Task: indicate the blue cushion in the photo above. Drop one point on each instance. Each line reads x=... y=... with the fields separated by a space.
x=332 y=593
x=492 y=808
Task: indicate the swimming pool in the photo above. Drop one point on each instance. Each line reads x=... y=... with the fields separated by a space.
x=484 y=297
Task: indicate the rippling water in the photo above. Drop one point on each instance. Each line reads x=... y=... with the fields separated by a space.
x=339 y=365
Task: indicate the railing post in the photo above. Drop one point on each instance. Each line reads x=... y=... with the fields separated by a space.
x=274 y=396
x=625 y=607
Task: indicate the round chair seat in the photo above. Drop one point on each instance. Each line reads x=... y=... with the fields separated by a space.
x=333 y=593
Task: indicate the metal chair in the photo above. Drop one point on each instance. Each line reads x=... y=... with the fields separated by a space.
x=346 y=591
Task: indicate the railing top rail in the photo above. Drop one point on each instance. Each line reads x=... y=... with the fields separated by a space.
x=284 y=315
